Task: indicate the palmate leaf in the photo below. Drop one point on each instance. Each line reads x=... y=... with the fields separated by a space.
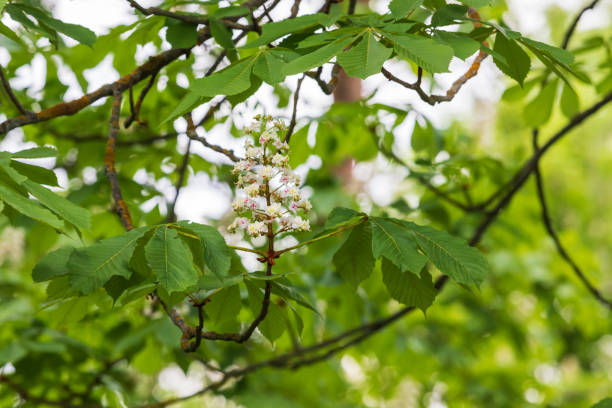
x=90 y=268
x=399 y=8
x=396 y=244
x=462 y=44
x=72 y=213
x=317 y=58
x=170 y=260
x=29 y=208
x=451 y=255
x=217 y=255
x=276 y=30
x=427 y=53
x=232 y=80
x=47 y=23
x=408 y=288
x=354 y=260
x=52 y=265
x=365 y=58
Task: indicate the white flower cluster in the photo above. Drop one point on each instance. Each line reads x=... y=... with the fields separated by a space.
x=268 y=197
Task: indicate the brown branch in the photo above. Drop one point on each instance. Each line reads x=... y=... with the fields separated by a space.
x=450 y=93
x=152 y=65
x=295 y=9
x=572 y=28
x=529 y=166
x=351 y=7
x=229 y=153
x=546 y=219
x=11 y=94
x=109 y=163
x=100 y=138
x=296 y=97
x=326 y=87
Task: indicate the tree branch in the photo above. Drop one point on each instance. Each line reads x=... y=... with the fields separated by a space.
x=572 y=28
x=529 y=166
x=11 y=95
x=179 y=183
x=136 y=109
x=296 y=97
x=109 y=163
x=551 y=232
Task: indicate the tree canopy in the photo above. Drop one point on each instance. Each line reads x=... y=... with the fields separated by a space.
x=372 y=255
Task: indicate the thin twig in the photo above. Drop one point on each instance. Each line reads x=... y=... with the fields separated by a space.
x=326 y=87
x=295 y=9
x=296 y=96
x=191 y=134
x=572 y=28
x=551 y=232
x=136 y=109
x=11 y=94
x=109 y=163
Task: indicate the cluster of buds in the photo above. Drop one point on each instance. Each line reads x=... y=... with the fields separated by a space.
x=268 y=197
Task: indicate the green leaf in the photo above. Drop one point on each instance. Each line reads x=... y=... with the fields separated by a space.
x=224 y=305
x=217 y=255
x=171 y=261
x=354 y=260
x=35 y=153
x=555 y=53
x=570 y=103
x=29 y=207
x=317 y=58
x=339 y=217
x=451 y=255
x=77 y=32
x=90 y=268
x=52 y=265
x=538 y=111
x=408 y=288
x=604 y=403
x=275 y=30
x=425 y=52
x=37 y=174
x=400 y=8
x=448 y=14
x=517 y=62
x=181 y=34
x=69 y=311
x=284 y=288
x=223 y=37
x=269 y=67
x=232 y=80
x=462 y=44
x=396 y=244
x=366 y=58
x=77 y=216
x=209 y=282
x=273 y=324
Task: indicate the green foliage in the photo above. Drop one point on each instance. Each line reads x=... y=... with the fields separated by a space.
x=92 y=315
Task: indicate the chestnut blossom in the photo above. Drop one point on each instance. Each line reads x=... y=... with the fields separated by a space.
x=268 y=197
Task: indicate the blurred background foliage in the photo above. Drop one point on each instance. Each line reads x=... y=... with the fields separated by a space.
x=532 y=336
